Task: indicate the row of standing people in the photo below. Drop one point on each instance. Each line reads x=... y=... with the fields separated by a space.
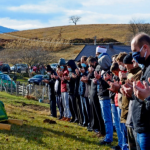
x=101 y=93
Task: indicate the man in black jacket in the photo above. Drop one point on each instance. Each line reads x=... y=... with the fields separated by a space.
x=71 y=90
x=96 y=120
x=51 y=83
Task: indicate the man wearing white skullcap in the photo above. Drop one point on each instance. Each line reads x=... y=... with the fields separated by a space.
x=100 y=49
x=104 y=63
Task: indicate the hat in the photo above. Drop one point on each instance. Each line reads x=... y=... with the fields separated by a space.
x=61 y=62
x=128 y=59
x=100 y=49
x=49 y=68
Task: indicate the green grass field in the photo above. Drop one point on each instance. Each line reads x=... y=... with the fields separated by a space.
x=36 y=135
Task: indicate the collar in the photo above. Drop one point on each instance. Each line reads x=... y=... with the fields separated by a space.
x=147 y=62
x=135 y=70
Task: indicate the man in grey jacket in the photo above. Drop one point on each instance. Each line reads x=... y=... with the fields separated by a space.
x=104 y=62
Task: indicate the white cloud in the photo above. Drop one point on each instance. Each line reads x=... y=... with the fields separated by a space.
x=108 y=2
x=42 y=8
x=21 y=24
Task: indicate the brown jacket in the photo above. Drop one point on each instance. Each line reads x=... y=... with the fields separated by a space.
x=134 y=74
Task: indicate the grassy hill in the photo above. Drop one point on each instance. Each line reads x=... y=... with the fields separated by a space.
x=118 y=32
x=36 y=135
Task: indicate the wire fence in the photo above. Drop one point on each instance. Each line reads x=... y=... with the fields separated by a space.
x=30 y=91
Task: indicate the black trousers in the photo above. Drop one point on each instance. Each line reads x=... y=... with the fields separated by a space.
x=53 y=107
x=96 y=119
x=79 y=109
x=73 y=107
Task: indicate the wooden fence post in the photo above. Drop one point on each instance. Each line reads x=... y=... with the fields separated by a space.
x=1 y=86
x=11 y=87
x=23 y=90
x=16 y=88
x=43 y=94
x=35 y=92
x=29 y=89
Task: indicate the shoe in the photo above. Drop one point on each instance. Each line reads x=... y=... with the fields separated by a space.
x=105 y=143
x=96 y=131
x=60 y=118
x=84 y=125
x=63 y=119
x=80 y=124
x=68 y=119
x=72 y=120
x=116 y=148
x=89 y=129
x=76 y=121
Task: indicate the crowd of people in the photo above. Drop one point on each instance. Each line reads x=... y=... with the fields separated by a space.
x=106 y=93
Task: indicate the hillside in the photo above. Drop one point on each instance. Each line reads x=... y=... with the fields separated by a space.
x=6 y=30
x=118 y=32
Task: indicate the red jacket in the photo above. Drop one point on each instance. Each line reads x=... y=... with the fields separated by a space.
x=116 y=99
x=63 y=83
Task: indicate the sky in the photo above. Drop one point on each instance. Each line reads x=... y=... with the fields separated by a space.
x=33 y=14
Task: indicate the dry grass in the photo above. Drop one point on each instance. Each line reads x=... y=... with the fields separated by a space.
x=118 y=32
x=69 y=53
x=115 y=31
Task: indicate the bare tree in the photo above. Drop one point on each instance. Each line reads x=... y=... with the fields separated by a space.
x=35 y=55
x=74 y=19
x=136 y=26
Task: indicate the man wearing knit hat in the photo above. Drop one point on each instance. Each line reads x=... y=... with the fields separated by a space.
x=126 y=117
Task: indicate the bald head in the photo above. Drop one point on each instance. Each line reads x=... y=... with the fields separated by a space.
x=140 y=39
x=141 y=43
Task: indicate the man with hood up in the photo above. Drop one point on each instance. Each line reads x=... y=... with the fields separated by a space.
x=51 y=83
x=71 y=90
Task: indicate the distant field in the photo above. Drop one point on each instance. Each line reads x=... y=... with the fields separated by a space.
x=116 y=31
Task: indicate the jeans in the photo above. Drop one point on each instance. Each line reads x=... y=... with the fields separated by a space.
x=85 y=108
x=143 y=140
x=123 y=129
x=117 y=123
x=60 y=105
x=65 y=101
x=107 y=117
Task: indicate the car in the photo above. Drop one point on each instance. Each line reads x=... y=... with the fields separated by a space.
x=19 y=68
x=6 y=81
x=37 y=79
x=54 y=66
x=4 y=67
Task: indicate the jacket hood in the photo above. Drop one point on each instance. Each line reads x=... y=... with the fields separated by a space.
x=72 y=64
x=104 y=62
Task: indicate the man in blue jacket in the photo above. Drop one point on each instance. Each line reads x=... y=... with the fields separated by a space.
x=84 y=100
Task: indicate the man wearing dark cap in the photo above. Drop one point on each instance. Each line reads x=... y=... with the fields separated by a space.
x=125 y=119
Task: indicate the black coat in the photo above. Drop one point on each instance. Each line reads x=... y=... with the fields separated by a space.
x=140 y=110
